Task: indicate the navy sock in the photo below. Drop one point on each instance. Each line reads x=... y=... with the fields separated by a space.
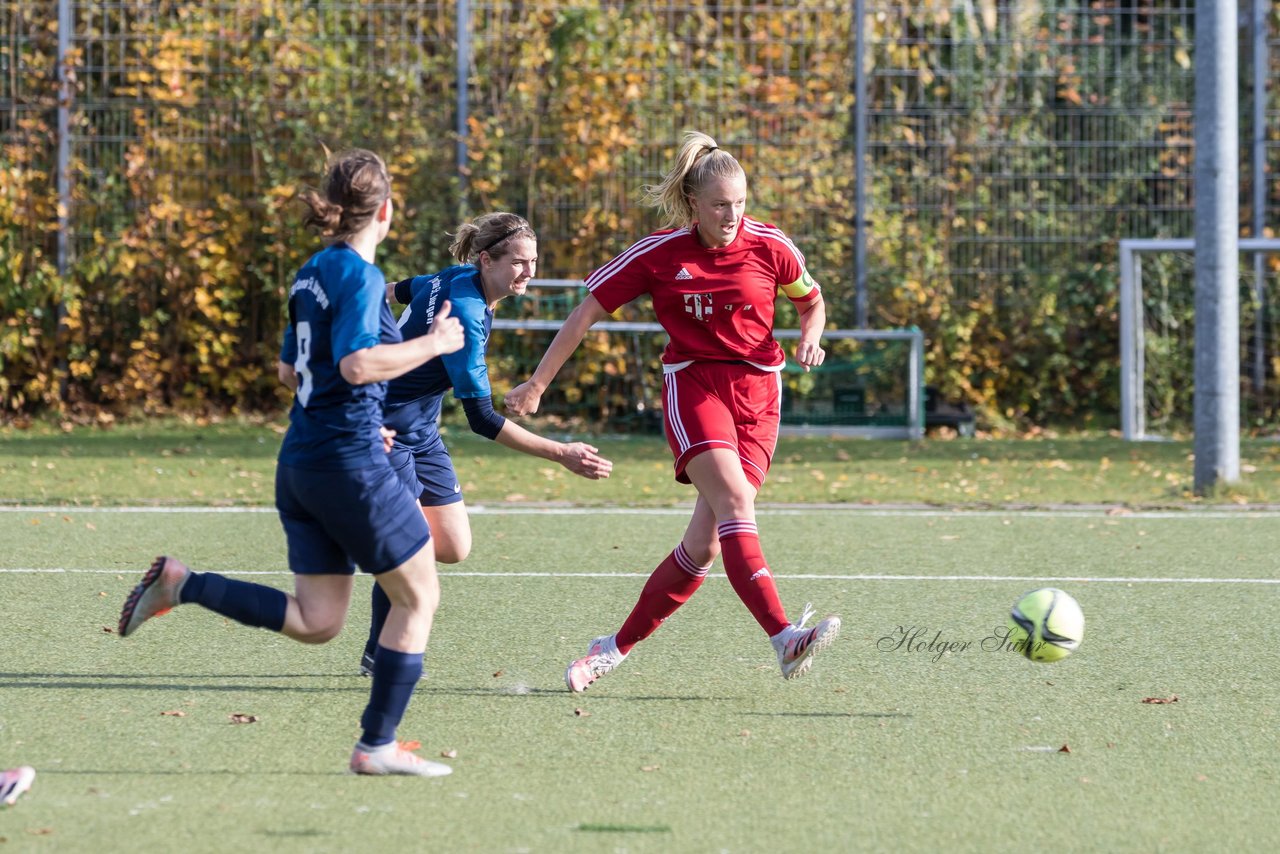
x=381 y=608
x=395 y=675
x=252 y=604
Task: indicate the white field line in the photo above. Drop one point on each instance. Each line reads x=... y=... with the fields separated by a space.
x=1038 y=579
x=765 y=510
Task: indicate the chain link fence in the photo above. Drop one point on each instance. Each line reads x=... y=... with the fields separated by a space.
x=1010 y=144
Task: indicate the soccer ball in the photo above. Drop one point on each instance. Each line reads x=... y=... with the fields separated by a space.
x=1046 y=625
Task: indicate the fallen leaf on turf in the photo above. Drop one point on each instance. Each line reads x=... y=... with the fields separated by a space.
x=91 y=526
x=102 y=593
x=109 y=630
x=1160 y=701
x=497 y=673
x=746 y=733
x=1119 y=511
x=582 y=713
x=449 y=754
x=40 y=831
x=1200 y=778
x=1064 y=749
x=174 y=713
x=650 y=767
x=242 y=718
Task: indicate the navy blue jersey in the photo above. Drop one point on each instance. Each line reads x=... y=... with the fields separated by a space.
x=413 y=400
x=337 y=305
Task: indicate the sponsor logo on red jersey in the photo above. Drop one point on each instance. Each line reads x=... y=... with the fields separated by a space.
x=699 y=305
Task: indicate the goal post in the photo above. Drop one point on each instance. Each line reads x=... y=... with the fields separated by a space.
x=1133 y=345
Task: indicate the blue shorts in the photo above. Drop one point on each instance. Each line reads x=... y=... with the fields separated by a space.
x=334 y=520
x=423 y=464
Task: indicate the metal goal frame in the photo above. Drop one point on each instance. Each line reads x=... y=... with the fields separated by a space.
x=1133 y=415
x=913 y=429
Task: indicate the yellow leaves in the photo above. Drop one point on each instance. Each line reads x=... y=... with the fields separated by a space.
x=586 y=81
x=987 y=9
x=1071 y=95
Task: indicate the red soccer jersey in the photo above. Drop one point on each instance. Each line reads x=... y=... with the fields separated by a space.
x=715 y=304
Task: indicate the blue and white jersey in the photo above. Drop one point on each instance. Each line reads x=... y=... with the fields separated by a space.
x=337 y=305
x=413 y=400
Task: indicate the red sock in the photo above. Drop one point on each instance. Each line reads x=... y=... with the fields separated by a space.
x=669 y=587
x=749 y=574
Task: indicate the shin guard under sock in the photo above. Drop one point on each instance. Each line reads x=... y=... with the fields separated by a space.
x=669 y=587
x=745 y=566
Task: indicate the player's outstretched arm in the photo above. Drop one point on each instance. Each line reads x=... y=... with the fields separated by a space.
x=813 y=320
x=578 y=457
x=524 y=398
x=387 y=361
x=584 y=460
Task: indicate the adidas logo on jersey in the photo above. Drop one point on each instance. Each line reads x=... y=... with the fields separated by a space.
x=684 y=275
x=763 y=572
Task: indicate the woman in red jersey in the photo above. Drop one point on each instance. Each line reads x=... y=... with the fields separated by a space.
x=713 y=274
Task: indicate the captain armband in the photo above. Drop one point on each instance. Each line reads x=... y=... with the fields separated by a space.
x=803 y=289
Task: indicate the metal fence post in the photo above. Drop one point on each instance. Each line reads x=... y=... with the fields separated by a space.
x=1217 y=263
x=63 y=168
x=860 y=164
x=463 y=76
x=1261 y=65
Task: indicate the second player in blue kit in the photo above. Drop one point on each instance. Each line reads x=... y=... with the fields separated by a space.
x=498 y=256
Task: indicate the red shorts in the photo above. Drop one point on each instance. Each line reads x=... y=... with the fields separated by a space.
x=723 y=405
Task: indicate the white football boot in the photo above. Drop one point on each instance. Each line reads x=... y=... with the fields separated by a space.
x=156 y=594
x=14 y=782
x=796 y=646
x=395 y=758
x=601 y=658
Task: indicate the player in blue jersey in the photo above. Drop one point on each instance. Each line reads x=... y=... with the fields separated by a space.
x=341 y=503
x=497 y=255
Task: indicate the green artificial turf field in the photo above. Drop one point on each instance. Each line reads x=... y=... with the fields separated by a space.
x=165 y=461
x=695 y=744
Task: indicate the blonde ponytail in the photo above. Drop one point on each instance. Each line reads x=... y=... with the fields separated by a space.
x=700 y=160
